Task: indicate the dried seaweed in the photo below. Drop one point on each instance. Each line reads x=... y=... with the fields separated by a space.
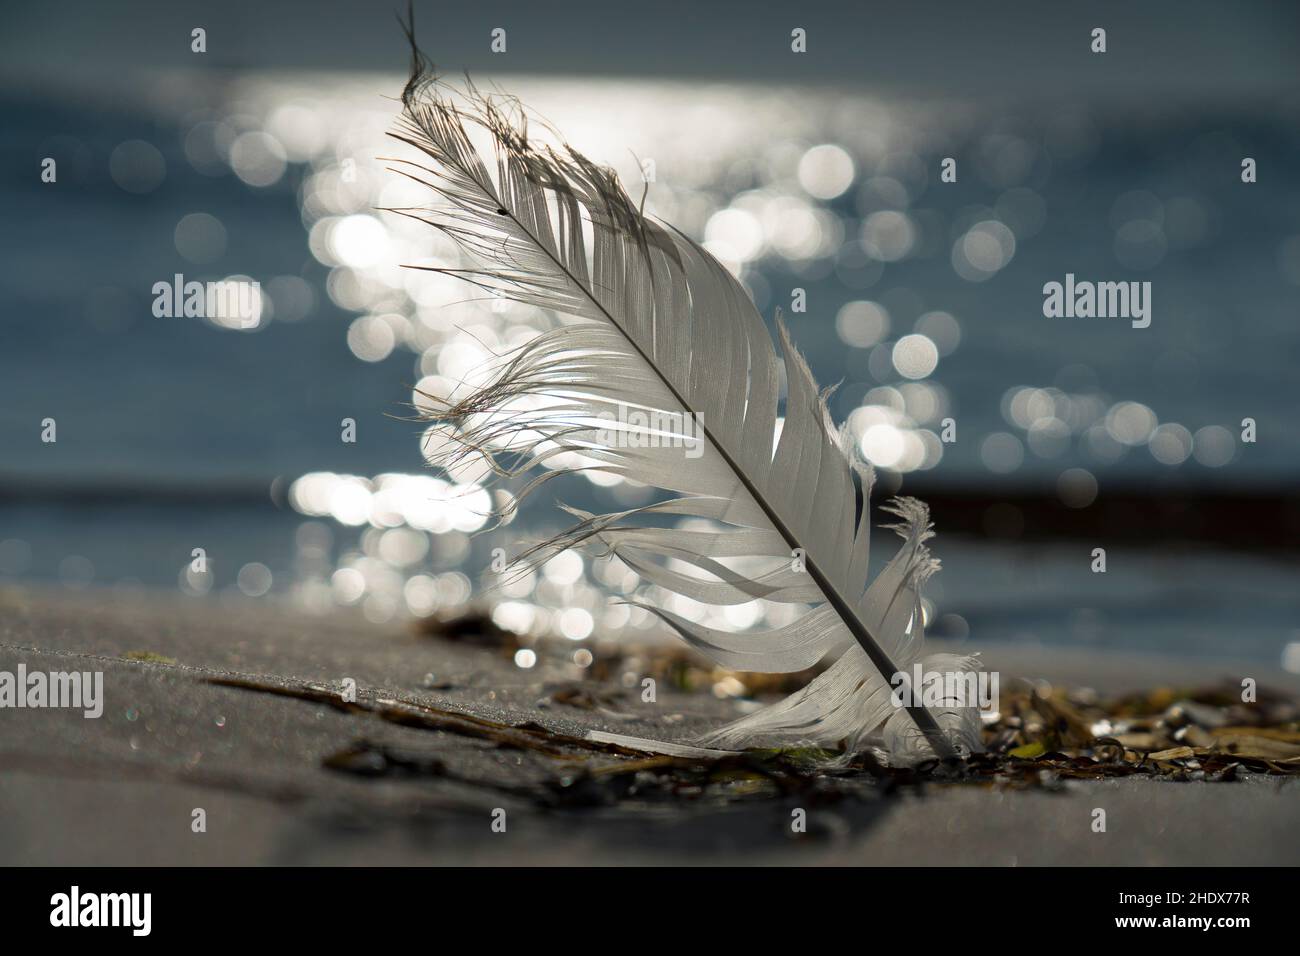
x=527 y=736
x=148 y=657
x=1204 y=733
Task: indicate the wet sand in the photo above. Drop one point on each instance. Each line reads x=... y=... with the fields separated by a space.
x=123 y=788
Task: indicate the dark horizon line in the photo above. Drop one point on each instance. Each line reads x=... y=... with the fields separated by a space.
x=1257 y=517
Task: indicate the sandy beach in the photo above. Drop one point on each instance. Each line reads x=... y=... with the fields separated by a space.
x=124 y=788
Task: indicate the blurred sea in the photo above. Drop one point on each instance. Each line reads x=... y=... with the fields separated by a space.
x=924 y=298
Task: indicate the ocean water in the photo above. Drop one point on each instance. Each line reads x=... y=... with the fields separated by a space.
x=924 y=299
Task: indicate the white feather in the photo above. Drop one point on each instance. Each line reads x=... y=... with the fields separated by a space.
x=655 y=324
